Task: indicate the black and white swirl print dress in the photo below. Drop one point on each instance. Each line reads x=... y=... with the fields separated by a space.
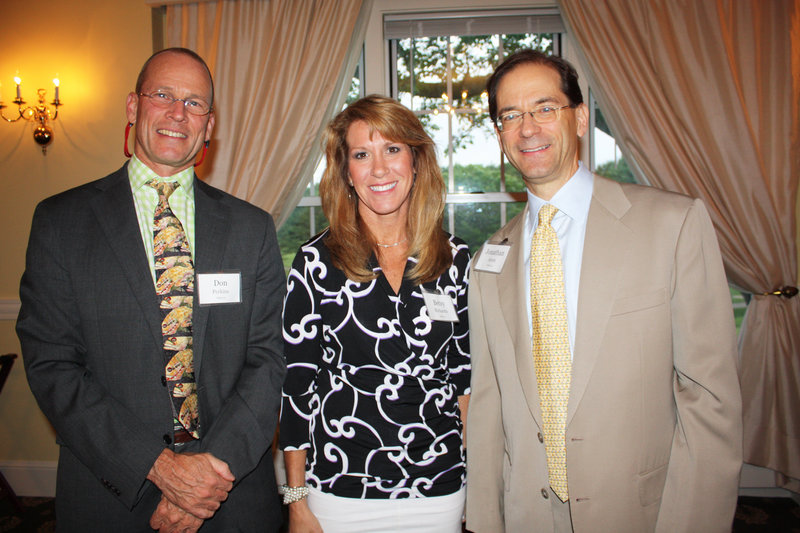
x=372 y=385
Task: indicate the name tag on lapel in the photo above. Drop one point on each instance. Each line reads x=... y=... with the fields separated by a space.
x=492 y=257
x=219 y=288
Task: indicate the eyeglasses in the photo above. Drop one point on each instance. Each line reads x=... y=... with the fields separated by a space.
x=165 y=100
x=512 y=120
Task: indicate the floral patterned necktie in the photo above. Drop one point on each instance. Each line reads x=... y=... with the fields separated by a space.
x=551 y=354
x=175 y=288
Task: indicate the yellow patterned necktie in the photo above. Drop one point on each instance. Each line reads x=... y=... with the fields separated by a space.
x=175 y=288
x=551 y=353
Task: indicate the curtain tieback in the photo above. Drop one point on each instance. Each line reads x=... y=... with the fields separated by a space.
x=786 y=291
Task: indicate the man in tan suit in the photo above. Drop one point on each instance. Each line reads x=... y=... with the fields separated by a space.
x=652 y=414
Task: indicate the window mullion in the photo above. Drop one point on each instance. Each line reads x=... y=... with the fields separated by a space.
x=451 y=173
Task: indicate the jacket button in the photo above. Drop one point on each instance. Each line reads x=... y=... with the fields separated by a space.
x=545 y=494
x=167 y=439
x=541 y=438
x=164 y=381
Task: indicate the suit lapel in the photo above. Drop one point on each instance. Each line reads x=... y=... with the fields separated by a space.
x=605 y=247
x=512 y=285
x=116 y=215
x=212 y=221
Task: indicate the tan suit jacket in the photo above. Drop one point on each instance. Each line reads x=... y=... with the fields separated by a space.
x=654 y=419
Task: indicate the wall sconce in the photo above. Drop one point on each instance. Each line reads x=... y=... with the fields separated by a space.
x=40 y=113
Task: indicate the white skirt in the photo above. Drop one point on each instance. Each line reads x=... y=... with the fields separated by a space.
x=436 y=514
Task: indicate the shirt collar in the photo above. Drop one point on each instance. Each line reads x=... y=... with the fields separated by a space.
x=572 y=199
x=139 y=174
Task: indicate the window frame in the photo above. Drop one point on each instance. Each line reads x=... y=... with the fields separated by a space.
x=376 y=73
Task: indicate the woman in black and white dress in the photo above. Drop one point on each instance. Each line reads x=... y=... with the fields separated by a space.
x=376 y=339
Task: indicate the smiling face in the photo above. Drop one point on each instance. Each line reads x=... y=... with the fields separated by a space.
x=545 y=154
x=167 y=140
x=382 y=174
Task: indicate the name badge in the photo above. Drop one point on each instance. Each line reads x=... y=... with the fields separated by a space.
x=219 y=288
x=492 y=257
x=440 y=306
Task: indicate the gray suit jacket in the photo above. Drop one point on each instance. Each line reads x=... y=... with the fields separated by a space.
x=91 y=342
x=654 y=415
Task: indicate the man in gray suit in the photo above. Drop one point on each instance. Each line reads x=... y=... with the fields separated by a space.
x=154 y=345
x=617 y=408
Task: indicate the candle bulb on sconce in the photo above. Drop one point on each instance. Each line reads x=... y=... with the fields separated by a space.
x=39 y=113
x=460 y=104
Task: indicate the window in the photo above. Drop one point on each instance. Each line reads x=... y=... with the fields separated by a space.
x=438 y=66
x=606 y=157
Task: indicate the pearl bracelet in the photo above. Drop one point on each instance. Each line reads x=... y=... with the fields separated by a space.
x=293 y=494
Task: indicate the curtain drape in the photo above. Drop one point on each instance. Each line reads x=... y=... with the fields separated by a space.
x=281 y=70
x=703 y=97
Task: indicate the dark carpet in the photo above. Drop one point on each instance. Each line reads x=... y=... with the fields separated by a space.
x=38 y=516
x=766 y=515
x=753 y=515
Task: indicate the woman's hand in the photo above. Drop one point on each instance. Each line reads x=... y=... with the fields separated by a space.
x=301 y=519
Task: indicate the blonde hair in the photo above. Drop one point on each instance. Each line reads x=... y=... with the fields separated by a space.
x=349 y=240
